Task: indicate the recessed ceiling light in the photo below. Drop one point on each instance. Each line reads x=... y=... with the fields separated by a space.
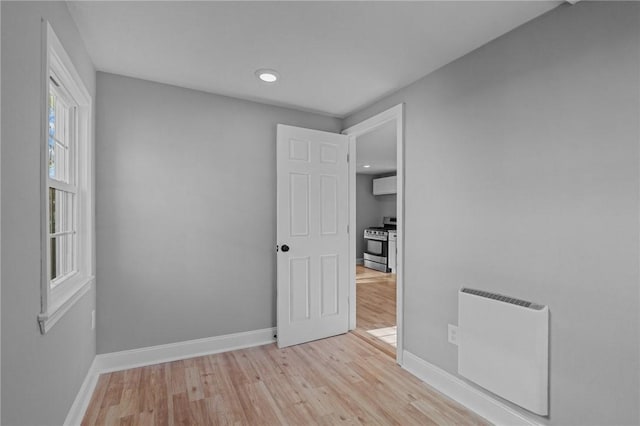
x=267 y=75
x=366 y=166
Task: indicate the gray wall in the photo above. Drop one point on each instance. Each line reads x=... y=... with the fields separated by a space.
x=522 y=178
x=186 y=212
x=0 y=219
x=41 y=375
x=370 y=209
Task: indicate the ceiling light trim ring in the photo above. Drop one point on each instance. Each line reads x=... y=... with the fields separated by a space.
x=267 y=75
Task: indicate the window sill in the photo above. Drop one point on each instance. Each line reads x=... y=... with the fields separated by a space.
x=55 y=311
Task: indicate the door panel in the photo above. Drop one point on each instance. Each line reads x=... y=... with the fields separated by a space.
x=299 y=204
x=329 y=284
x=300 y=305
x=328 y=205
x=298 y=150
x=329 y=153
x=312 y=202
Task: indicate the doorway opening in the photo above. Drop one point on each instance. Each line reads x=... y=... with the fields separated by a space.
x=376 y=308
x=376 y=217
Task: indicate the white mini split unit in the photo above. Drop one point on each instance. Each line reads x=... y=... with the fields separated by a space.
x=503 y=346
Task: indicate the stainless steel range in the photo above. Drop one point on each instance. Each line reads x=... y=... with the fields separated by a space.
x=376 y=249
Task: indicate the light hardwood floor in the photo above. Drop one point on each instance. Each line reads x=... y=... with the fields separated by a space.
x=375 y=299
x=339 y=380
x=375 y=305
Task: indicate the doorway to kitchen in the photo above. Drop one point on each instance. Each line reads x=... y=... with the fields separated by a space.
x=376 y=217
x=376 y=308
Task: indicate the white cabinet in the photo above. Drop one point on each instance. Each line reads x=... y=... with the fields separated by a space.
x=385 y=185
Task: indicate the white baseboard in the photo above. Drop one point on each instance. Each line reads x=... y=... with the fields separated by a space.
x=80 y=404
x=459 y=390
x=133 y=358
x=116 y=361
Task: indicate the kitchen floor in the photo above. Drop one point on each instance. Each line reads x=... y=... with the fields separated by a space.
x=376 y=308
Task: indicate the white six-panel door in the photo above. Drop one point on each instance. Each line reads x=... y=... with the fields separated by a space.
x=313 y=213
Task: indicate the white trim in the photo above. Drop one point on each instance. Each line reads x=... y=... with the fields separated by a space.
x=54 y=313
x=457 y=389
x=352 y=235
x=44 y=218
x=150 y=355
x=116 y=361
x=83 y=398
x=394 y=113
x=55 y=302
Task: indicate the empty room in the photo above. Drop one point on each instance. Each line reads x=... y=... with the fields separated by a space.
x=320 y=212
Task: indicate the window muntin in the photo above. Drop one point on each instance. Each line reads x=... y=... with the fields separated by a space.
x=62 y=184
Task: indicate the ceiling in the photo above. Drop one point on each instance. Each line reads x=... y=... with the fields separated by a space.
x=333 y=57
x=377 y=149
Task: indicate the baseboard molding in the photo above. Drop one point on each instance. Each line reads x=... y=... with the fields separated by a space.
x=360 y=261
x=80 y=404
x=116 y=361
x=479 y=402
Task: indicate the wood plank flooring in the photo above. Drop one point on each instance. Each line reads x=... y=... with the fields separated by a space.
x=339 y=380
x=375 y=306
x=375 y=299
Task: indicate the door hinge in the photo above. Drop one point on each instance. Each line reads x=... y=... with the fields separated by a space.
x=347 y=157
x=347 y=229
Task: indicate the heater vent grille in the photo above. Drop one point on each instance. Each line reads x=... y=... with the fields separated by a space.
x=503 y=346
x=501 y=298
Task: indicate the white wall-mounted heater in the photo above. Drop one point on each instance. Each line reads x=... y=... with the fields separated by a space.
x=503 y=346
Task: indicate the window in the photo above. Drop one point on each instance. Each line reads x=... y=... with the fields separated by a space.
x=62 y=189
x=67 y=240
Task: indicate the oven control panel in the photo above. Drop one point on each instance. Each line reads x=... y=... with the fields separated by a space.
x=375 y=234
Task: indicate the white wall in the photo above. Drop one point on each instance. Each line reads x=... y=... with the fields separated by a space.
x=370 y=209
x=522 y=177
x=41 y=374
x=387 y=204
x=186 y=212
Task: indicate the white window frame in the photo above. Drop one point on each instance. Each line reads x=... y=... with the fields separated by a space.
x=57 y=299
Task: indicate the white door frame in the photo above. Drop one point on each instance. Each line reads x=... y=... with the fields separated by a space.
x=394 y=113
